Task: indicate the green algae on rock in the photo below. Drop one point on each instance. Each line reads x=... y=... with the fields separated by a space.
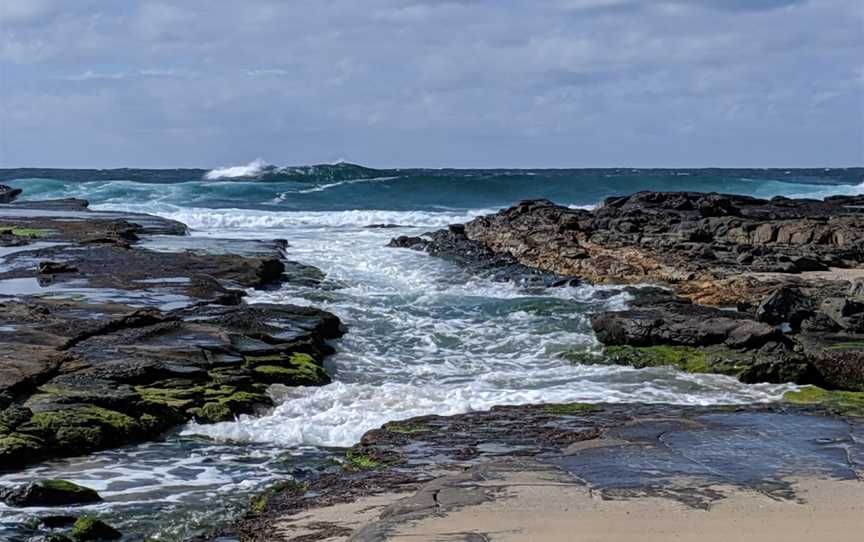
x=161 y=337
x=87 y=528
x=749 y=367
x=844 y=403
x=258 y=503
x=24 y=232
x=356 y=460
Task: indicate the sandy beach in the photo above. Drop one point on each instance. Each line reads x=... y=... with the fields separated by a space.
x=524 y=500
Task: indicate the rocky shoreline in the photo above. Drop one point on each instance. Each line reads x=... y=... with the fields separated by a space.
x=410 y=474
x=116 y=327
x=764 y=290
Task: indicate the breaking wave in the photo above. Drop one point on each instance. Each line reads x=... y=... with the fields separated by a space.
x=252 y=169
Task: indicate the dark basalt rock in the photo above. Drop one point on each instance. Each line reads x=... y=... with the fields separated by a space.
x=453 y=245
x=48 y=493
x=786 y=305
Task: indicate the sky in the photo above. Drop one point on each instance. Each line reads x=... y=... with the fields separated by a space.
x=432 y=83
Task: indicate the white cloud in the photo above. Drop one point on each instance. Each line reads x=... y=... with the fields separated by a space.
x=401 y=82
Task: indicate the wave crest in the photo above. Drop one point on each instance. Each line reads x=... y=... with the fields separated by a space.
x=252 y=169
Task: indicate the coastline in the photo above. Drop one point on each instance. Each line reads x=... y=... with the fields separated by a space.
x=767 y=338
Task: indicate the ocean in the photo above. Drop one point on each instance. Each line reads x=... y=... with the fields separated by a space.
x=425 y=337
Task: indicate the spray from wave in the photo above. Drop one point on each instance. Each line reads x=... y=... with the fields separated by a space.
x=252 y=169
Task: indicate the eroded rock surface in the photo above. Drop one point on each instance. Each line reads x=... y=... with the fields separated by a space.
x=114 y=327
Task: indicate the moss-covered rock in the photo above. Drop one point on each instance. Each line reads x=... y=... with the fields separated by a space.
x=12 y=417
x=83 y=428
x=845 y=403
x=18 y=449
x=749 y=367
x=258 y=503
x=48 y=493
x=357 y=460
x=88 y=528
x=685 y=358
x=24 y=232
x=290 y=369
x=213 y=413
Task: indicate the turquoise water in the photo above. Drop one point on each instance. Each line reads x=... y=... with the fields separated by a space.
x=348 y=187
x=424 y=336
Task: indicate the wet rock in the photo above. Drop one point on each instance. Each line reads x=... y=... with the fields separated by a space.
x=52 y=537
x=57 y=522
x=689 y=454
x=134 y=340
x=771 y=259
x=48 y=493
x=786 y=305
x=9 y=194
x=453 y=245
x=88 y=528
x=702 y=243
x=54 y=268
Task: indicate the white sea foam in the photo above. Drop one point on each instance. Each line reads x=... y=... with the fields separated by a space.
x=427 y=338
x=251 y=169
x=247 y=219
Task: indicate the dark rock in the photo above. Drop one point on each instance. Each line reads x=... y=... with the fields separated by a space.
x=48 y=493
x=9 y=194
x=159 y=338
x=453 y=245
x=53 y=268
x=697 y=242
x=88 y=528
x=57 y=522
x=51 y=537
x=785 y=305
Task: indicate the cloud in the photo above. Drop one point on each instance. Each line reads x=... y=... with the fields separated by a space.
x=438 y=83
x=90 y=75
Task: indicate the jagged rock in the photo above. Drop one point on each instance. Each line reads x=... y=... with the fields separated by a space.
x=452 y=244
x=705 y=244
x=785 y=305
x=48 y=493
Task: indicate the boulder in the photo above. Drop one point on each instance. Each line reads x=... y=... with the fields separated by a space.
x=785 y=305
x=88 y=528
x=9 y=194
x=48 y=493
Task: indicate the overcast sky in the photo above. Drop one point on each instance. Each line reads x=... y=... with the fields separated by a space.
x=507 y=83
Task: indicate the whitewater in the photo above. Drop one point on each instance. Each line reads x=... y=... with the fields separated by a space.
x=424 y=336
